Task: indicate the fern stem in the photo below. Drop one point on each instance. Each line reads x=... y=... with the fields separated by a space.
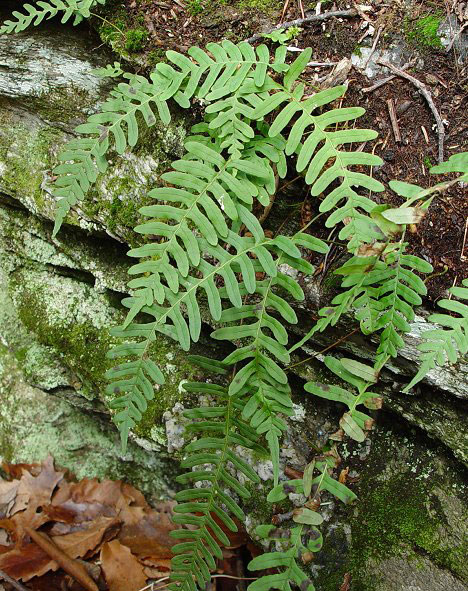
x=104 y=20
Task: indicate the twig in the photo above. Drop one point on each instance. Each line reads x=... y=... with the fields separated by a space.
x=285 y=8
x=308 y=19
x=427 y=95
x=301 y=8
x=69 y=565
x=336 y=343
x=394 y=120
x=462 y=255
x=12 y=582
x=374 y=45
x=383 y=81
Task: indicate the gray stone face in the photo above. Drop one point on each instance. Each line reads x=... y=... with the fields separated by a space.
x=59 y=297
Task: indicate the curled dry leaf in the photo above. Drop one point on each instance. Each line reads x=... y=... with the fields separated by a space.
x=122 y=570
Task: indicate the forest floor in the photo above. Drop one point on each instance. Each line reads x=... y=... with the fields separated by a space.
x=153 y=26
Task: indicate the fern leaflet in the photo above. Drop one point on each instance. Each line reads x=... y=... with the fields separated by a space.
x=449 y=342
x=34 y=15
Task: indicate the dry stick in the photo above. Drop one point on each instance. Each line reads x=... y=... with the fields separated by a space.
x=450 y=45
x=12 y=582
x=394 y=120
x=374 y=45
x=383 y=81
x=302 y=21
x=427 y=95
x=69 y=565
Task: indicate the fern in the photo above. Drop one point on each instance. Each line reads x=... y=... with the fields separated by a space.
x=261 y=378
x=389 y=293
x=358 y=227
x=84 y=158
x=353 y=422
x=134 y=390
x=448 y=343
x=299 y=542
x=34 y=15
x=285 y=560
x=208 y=510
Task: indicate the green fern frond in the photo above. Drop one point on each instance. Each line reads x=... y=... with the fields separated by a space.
x=262 y=379
x=219 y=72
x=329 y=163
x=34 y=15
x=133 y=391
x=287 y=560
x=299 y=541
x=388 y=295
x=117 y=126
x=208 y=510
x=448 y=343
x=354 y=422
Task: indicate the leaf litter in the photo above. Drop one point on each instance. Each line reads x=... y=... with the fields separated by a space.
x=60 y=534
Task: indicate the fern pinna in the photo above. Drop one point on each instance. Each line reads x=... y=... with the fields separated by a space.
x=44 y=10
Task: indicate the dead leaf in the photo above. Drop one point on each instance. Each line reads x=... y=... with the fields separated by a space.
x=149 y=537
x=28 y=560
x=122 y=570
x=70 y=566
x=8 y=491
x=343 y=475
x=36 y=491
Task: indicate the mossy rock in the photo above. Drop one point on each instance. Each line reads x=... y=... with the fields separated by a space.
x=408 y=526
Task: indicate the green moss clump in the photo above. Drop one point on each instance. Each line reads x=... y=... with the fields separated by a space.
x=135 y=40
x=423 y=32
x=400 y=517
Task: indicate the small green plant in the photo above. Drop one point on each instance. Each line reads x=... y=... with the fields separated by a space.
x=424 y=32
x=195 y=7
x=202 y=242
x=281 y=36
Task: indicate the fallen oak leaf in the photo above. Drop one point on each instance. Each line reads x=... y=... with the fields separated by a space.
x=8 y=492
x=122 y=570
x=70 y=566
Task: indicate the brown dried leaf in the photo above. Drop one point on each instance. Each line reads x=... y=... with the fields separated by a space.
x=36 y=491
x=28 y=560
x=122 y=570
x=8 y=492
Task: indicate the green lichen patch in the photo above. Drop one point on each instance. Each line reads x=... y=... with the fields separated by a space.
x=78 y=440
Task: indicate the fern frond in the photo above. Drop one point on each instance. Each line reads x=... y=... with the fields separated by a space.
x=388 y=295
x=448 y=343
x=220 y=71
x=133 y=391
x=353 y=422
x=34 y=15
x=208 y=511
x=297 y=543
x=262 y=379
x=287 y=560
x=117 y=126
x=329 y=163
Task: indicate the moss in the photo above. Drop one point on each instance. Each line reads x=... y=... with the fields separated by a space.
x=401 y=517
x=423 y=32
x=135 y=40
